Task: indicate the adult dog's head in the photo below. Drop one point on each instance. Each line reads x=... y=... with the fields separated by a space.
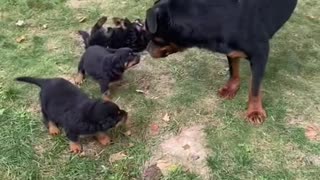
x=160 y=27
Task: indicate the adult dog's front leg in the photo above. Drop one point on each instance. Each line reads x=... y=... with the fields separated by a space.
x=230 y=89
x=256 y=113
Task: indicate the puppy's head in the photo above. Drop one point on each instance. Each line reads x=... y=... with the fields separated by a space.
x=126 y=58
x=128 y=34
x=108 y=115
x=158 y=25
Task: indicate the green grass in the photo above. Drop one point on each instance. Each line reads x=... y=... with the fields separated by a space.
x=275 y=150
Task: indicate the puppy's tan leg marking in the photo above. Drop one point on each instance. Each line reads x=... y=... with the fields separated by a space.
x=106 y=96
x=75 y=147
x=79 y=79
x=53 y=129
x=103 y=139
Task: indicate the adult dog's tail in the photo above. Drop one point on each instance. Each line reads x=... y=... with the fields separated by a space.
x=37 y=81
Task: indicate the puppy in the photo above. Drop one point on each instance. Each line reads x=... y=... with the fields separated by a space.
x=64 y=105
x=237 y=28
x=124 y=34
x=105 y=65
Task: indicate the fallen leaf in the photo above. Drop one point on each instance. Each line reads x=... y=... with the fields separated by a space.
x=155 y=129
x=152 y=173
x=20 y=23
x=117 y=157
x=128 y=133
x=166 y=117
x=82 y=154
x=195 y=157
x=140 y=91
x=311 y=17
x=82 y=19
x=313 y=133
x=185 y=147
x=20 y=39
x=130 y=145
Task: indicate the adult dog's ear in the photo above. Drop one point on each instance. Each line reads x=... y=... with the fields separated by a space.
x=152 y=18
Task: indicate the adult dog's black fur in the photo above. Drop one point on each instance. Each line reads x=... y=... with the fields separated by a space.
x=125 y=34
x=64 y=105
x=106 y=65
x=237 y=28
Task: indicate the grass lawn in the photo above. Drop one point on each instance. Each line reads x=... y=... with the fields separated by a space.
x=183 y=85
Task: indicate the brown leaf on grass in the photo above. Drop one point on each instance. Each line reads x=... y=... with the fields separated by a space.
x=154 y=129
x=185 y=147
x=313 y=132
x=311 y=17
x=82 y=19
x=152 y=173
x=166 y=117
x=20 y=39
x=117 y=157
x=130 y=145
x=128 y=133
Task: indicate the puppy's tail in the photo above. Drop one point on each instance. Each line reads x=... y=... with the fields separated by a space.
x=37 y=81
x=85 y=36
x=99 y=24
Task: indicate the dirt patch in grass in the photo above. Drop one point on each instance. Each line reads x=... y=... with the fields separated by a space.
x=187 y=149
x=155 y=82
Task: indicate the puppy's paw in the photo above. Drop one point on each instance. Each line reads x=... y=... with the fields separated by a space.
x=75 y=147
x=79 y=79
x=53 y=129
x=104 y=139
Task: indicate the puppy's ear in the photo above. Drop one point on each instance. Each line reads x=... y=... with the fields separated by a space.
x=125 y=23
x=152 y=18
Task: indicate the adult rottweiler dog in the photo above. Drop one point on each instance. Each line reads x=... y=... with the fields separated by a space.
x=237 y=28
x=124 y=34
x=106 y=65
x=66 y=106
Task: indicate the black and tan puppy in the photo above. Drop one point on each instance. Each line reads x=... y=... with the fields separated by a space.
x=124 y=34
x=237 y=28
x=105 y=65
x=64 y=105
